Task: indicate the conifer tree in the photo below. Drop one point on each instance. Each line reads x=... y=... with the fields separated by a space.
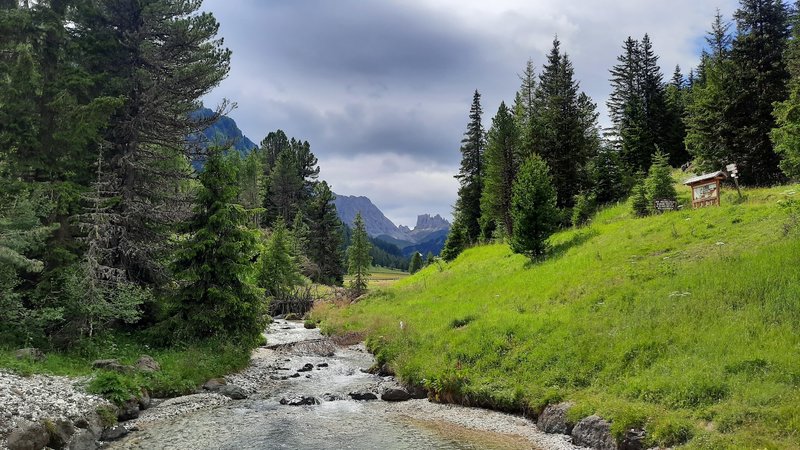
x=415 y=264
x=566 y=126
x=470 y=175
x=325 y=237
x=786 y=135
x=456 y=241
x=524 y=111
x=215 y=264
x=501 y=161
x=639 y=203
x=606 y=174
x=533 y=208
x=429 y=258
x=278 y=269
x=358 y=257
x=659 y=183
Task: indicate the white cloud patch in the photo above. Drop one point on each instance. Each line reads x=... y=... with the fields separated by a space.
x=380 y=84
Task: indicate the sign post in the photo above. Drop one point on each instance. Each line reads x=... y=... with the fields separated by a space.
x=734 y=172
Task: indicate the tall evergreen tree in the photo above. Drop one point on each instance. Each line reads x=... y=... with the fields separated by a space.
x=359 y=259
x=215 y=264
x=524 y=110
x=501 y=161
x=161 y=57
x=566 y=135
x=325 y=237
x=533 y=208
x=470 y=175
x=760 y=79
x=415 y=264
x=786 y=135
x=278 y=270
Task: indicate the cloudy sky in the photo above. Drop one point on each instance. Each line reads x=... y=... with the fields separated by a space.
x=382 y=89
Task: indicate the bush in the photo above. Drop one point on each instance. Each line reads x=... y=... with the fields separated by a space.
x=115 y=387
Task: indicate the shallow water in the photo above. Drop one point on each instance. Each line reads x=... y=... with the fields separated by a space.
x=262 y=422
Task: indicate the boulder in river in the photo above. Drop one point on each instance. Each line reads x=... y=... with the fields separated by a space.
x=129 y=410
x=306 y=368
x=593 y=432
x=363 y=396
x=395 y=395
x=214 y=384
x=30 y=354
x=114 y=433
x=554 y=419
x=144 y=400
x=60 y=432
x=233 y=392
x=28 y=436
x=300 y=400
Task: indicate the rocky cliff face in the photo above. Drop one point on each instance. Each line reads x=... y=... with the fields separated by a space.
x=377 y=224
x=428 y=226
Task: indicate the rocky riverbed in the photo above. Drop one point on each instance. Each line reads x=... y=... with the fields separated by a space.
x=305 y=391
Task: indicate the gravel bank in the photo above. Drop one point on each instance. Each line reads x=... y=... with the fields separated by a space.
x=42 y=397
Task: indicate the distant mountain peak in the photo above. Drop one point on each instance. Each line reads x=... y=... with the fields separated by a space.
x=347 y=206
x=426 y=222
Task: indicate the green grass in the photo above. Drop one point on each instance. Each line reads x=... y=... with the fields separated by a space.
x=686 y=323
x=183 y=368
x=381 y=277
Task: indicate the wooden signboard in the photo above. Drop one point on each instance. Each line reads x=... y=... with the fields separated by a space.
x=706 y=189
x=662 y=205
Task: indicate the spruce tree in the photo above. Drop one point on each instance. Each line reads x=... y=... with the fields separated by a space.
x=470 y=175
x=456 y=241
x=659 y=183
x=533 y=208
x=640 y=205
x=786 y=135
x=524 y=111
x=325 y=237
x=606 y=174
x=215 y=264
x=760 y=79
x=501 y=161
x=566 y=126
x=278 y=270
x=359 y=259
x=415 y=264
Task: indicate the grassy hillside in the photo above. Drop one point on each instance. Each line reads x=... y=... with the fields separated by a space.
x=687 y=324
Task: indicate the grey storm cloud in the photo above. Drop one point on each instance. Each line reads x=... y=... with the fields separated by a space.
x=382 y=89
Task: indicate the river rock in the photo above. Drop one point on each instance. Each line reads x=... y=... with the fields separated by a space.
x=306 y=368
x=328 y=397
x=593 y=432
x=129 y=410
x=84 y=439
x=395 y=395
x=554 y=419
x=363 y=396
x=145 y=401
x=114 y=433
x=28 y=436
x=299 y=401
x=633 y=440
x=233 y=392
x=214 y=384
x=61 y=432
x=30 y=354
x=321 y=365
x=417 y=392
x=147 y=364
x=112 y=365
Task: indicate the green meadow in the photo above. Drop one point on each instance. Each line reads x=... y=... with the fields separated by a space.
x=686 y=324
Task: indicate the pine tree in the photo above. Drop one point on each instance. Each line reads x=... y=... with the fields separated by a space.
x=639 y=109
x=501 y=161
x=215 y=263
x=760 y=79
x=358 y=257
x=456 y=241
x=659 y=183
x=278 y=270
x=674 y=126
x=429 y=258
x=566 y=126
x=786 y=135
x=525 y=111
x=606 y=175
x=470 y=175
x=325 y=237
x=533 y=208
x=416 y=263
x=161 y=64
x=285 y=185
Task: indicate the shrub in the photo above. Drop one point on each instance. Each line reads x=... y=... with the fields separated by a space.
x=115 y=387
x=585 y=205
